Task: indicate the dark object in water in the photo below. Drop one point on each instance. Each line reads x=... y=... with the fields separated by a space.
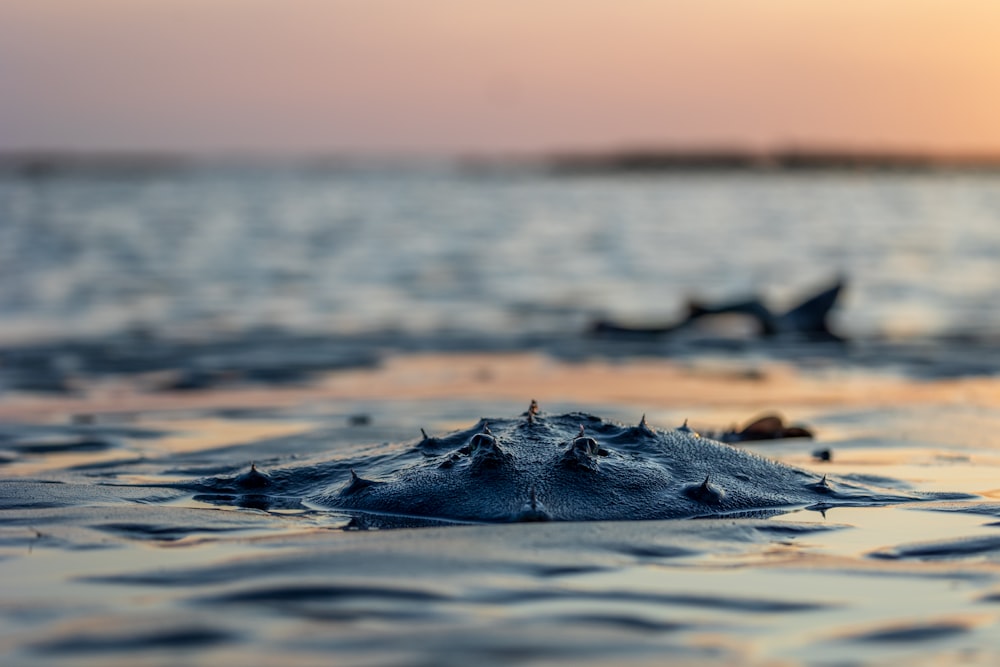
x=578 y=467
x=825 y=454
x=807 y=320
x=765 y=427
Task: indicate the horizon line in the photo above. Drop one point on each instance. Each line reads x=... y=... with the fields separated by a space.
x=637 y=157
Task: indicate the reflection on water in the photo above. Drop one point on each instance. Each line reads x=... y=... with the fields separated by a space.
x=340 y=250
x=209 y=279
x=107 y=558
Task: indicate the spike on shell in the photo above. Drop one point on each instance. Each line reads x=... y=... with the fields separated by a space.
x=706 y=492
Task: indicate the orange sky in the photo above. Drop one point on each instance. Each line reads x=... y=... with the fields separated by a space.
x=445 y=76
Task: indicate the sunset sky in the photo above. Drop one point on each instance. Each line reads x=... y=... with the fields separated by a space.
x=460 y=76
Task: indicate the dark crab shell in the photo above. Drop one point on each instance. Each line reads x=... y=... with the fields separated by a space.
x=579 y=467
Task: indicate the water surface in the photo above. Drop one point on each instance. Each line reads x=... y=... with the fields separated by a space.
x=333 y=249
x=180 y=323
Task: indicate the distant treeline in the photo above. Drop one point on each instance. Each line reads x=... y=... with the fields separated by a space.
x=640 y=161
x=45 y=164
x=126 y=164
x=139 y=164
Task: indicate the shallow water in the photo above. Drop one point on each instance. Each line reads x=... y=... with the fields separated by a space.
x=168 y=326
x=107 y=558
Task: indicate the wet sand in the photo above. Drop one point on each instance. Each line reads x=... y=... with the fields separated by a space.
x=693 y=383
x=102 y=566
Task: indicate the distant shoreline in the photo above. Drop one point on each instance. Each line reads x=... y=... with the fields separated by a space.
x=653 y=161
x=42 y=163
